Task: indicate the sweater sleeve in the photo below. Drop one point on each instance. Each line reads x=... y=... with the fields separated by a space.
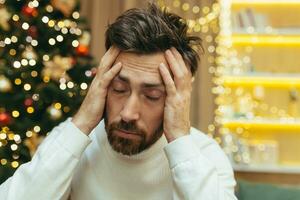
x=199 y=173
x=48 y=175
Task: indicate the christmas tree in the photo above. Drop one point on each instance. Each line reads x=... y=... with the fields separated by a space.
x=45 y=70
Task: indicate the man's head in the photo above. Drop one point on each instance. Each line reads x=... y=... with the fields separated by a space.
x=136 y=97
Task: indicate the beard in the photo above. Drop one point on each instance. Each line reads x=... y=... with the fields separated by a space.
x=128 y=146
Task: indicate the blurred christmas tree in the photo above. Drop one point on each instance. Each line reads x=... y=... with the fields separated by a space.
x=45 y=69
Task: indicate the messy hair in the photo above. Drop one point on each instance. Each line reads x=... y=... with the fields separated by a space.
x=152 y=30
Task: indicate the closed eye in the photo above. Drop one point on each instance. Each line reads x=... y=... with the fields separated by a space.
x=153 y=98
x=119 y=91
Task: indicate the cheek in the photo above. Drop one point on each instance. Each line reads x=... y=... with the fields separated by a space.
x=113 y=105
x=153 y=115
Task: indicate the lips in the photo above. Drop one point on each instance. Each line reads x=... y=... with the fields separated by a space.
x=127 y=134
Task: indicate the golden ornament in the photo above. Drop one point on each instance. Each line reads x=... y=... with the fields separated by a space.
x=29 y=53
x=65 y=6
x=5 y=84
x=54 y=113
x=4 y=18
x=33 y=142
x=56 y=68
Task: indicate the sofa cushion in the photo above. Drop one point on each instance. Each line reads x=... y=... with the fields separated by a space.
x=259 y=191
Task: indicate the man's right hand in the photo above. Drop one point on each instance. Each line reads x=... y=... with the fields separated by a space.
x=91 y=110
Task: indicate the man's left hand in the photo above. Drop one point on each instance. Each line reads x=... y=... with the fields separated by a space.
x=177 y=104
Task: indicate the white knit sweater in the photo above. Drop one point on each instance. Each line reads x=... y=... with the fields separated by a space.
x=70 y=164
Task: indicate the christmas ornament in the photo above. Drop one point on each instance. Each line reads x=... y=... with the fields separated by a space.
x=85 y=38
x=33 y=32
x=4 y=18
x=65 y=6
x=29 y=11
x=29 y=53
x=82 y=50
x=28 y=102
x=54 y=113
x=36 y=97
x=33 y=142
x=5 y=119
x=5 y=84
x=56 y=68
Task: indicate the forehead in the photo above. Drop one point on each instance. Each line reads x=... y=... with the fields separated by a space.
x=141 y=66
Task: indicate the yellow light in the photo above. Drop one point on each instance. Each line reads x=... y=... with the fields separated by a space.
x=18 y=81
x=49 y=8
x=15 y=164
x=14 y=39
x=34 y=73
x=27 y=87
x=11 y=136
x=15 y=113
x=237 y=3
x=61 y=24
x=185 y=6
x=262 y=125
x=51 y=23
x=76 y=15
x=205 y=10
x=29 y=134
x=30 y=109
x=3 y=161
x=37 y=129
x=197 y=28
x=46 y=57
x=269 y=40
x=2 y=136
x=15 y=17
x=12 y=52
x=176 y=3
x=252 y=81
x=57 y=106
x=46 y=79
x=196 y=9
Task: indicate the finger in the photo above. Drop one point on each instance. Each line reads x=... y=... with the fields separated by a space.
x=179 y=59
x=108 y=59
x=174 y=66
x=168 y=81
x=110 y=74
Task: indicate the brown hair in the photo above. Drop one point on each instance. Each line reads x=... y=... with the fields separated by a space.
x=152 y=30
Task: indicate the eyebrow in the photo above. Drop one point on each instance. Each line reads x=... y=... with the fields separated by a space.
x=144 y=85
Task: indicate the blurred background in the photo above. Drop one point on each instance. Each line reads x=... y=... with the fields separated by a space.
x=245 y=95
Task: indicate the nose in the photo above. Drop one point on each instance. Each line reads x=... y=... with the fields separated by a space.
x=130 y=111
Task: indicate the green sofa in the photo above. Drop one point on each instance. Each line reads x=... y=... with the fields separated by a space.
x=260 y=191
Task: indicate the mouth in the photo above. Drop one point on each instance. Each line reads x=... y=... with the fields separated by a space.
x=127 y=134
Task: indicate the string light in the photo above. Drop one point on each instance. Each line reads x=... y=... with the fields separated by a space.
x=17 y=64
x=15 y=114
x=15 y=17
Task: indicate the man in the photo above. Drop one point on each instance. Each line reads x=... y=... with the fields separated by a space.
x=144 y=149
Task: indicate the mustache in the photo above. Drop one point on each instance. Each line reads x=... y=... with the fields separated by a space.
x=127 y=126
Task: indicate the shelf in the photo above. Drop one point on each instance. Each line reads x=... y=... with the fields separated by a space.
x=267 y=169
x=263 y=124
x=265 y=2
x=271 y=81
x=265 y=40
